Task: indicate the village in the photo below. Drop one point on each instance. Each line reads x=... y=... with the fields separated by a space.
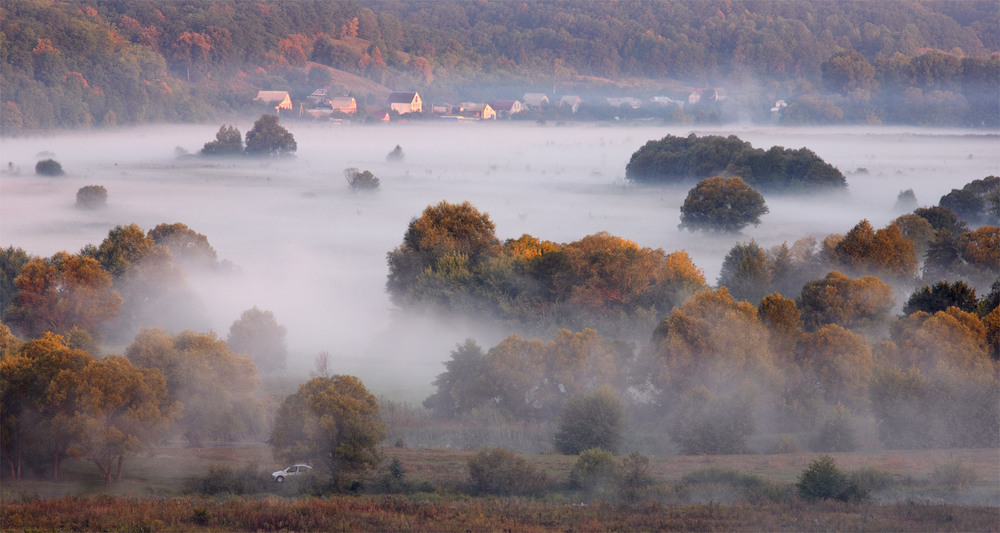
x=335 y=104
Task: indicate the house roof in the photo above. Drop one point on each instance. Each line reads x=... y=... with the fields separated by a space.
x=343 y=100
x=535 y=98
x=402 y=98
x=504 y=105
x=272 y=96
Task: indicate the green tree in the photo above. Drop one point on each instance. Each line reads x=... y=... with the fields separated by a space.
x=360 y=181
x=822 y=480
x=91 y=196
x=746 y=272
x=847 y=71
x=722 y=204
x=228 y=142
x=464 y=385
x=124 y=247
x=590 y=421
x=268 y=138
x=257 y=334
x=12 y=260
x=595 y=470
x=330 y=420
x=215 y=385
x=940 y=297
x=49 y=167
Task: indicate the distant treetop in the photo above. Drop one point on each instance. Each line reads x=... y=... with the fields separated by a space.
x=678 y=160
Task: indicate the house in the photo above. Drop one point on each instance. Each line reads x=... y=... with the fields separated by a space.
x=345 y=104
x=535 y=100
x=571 y=101
x=506 y=108
x=403 y=103
x=707 y=95
x=667 y=101
x=476 y=110
x=377 y=112
x=318 y=96
x=278 y=99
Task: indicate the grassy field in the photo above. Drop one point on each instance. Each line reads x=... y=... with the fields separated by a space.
x=151 y=498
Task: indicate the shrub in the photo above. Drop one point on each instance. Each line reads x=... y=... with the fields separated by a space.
x=594 y=469
x=92 y=196
x=392 y=480
x=633 y=476
x=954 y=474
x=502 y=472
x=590 y=421
x=48 y=167
x=822 y=480
x=396 y=154
x=228 y=142
x=361 y=181
x=222 y=479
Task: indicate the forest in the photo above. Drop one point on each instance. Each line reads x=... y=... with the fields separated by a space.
x=710 y=316
x=80 y=64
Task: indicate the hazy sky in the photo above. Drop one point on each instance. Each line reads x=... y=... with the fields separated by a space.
x=313 y=252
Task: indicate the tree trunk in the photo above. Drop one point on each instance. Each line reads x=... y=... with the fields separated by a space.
x=119 y=475
x=55 y=466
x=105 y=472
x=15 y=466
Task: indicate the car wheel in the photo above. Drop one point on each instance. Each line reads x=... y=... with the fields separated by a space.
x=280 y=479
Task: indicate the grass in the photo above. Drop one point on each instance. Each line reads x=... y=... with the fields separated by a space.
x=920 y=490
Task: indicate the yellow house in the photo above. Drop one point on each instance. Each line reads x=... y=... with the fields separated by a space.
x=404 y=103
x=345 y=104
x=478 y=110
x=278 y=99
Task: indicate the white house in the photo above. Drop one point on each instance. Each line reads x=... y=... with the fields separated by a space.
x=405 y=102
x=535 y=100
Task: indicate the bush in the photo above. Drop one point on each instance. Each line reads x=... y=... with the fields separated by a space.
x=396 y=154
x=502 y=472
x=594 y=469
x=822 y=480
x=222 y=479
x=590 y=421
x=92 y=196
x=633 y=476
x=48 y=167
x=361 y=181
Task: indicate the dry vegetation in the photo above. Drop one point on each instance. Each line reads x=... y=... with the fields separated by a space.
x=151 y=498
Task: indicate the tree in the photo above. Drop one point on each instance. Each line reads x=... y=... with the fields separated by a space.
x=12 y=260
x=360 y=181
x=594 y=470
x=839 y=363
x=822 y=480
x=61 y=292
x=464 y=385
x=49 y=167
x=215 y=385
x=746 y=272
x=330 y=420
x=847 y=71
x=124 y=247
x=185 y=244
x=268 y=138
x=885 y=252
x=117 y=410
x=228 y=142
x=942 y=296
x=443 y=229
x=257 y=334
x=704 y=423
x=590 y=421
x=396 y=154
x=857 y=304
x=722 y=204
x=91 y=196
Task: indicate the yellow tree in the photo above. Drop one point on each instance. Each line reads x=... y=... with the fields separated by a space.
x=215 y=385
x=61 y=292
x=333 y=420
x=112 y=410
x=858 y=304
x=840 y=362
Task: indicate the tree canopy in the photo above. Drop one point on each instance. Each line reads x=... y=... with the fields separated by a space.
x=722 y=204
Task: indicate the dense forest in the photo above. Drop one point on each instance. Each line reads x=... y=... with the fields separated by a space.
x=79 y=64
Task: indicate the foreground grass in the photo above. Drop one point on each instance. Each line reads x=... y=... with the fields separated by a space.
x=371 y=513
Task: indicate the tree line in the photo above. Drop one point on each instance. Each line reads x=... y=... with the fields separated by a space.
x=79 y=65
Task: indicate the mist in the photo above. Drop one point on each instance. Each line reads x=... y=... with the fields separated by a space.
x=307 y=248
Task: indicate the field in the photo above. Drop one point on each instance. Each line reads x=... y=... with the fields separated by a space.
x=151 y=498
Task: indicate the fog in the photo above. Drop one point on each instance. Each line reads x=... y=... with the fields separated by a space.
x=313 y=252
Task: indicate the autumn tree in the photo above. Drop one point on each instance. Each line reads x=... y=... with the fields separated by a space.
x=191 y=48
x=122 y=248
x=840 y=364
x=61 y=292
x=186 y=245
x=722 y=204
x=115 y=410
x=268 y=138
x=590 y=421
x=228 y=142
x=442 y=230
x=330 y=420
x=861 y=304
x=257 y=334
x=27 y=372
x=214 y=385
x=885 y=252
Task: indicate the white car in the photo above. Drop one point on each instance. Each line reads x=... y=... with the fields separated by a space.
x=294 y=470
